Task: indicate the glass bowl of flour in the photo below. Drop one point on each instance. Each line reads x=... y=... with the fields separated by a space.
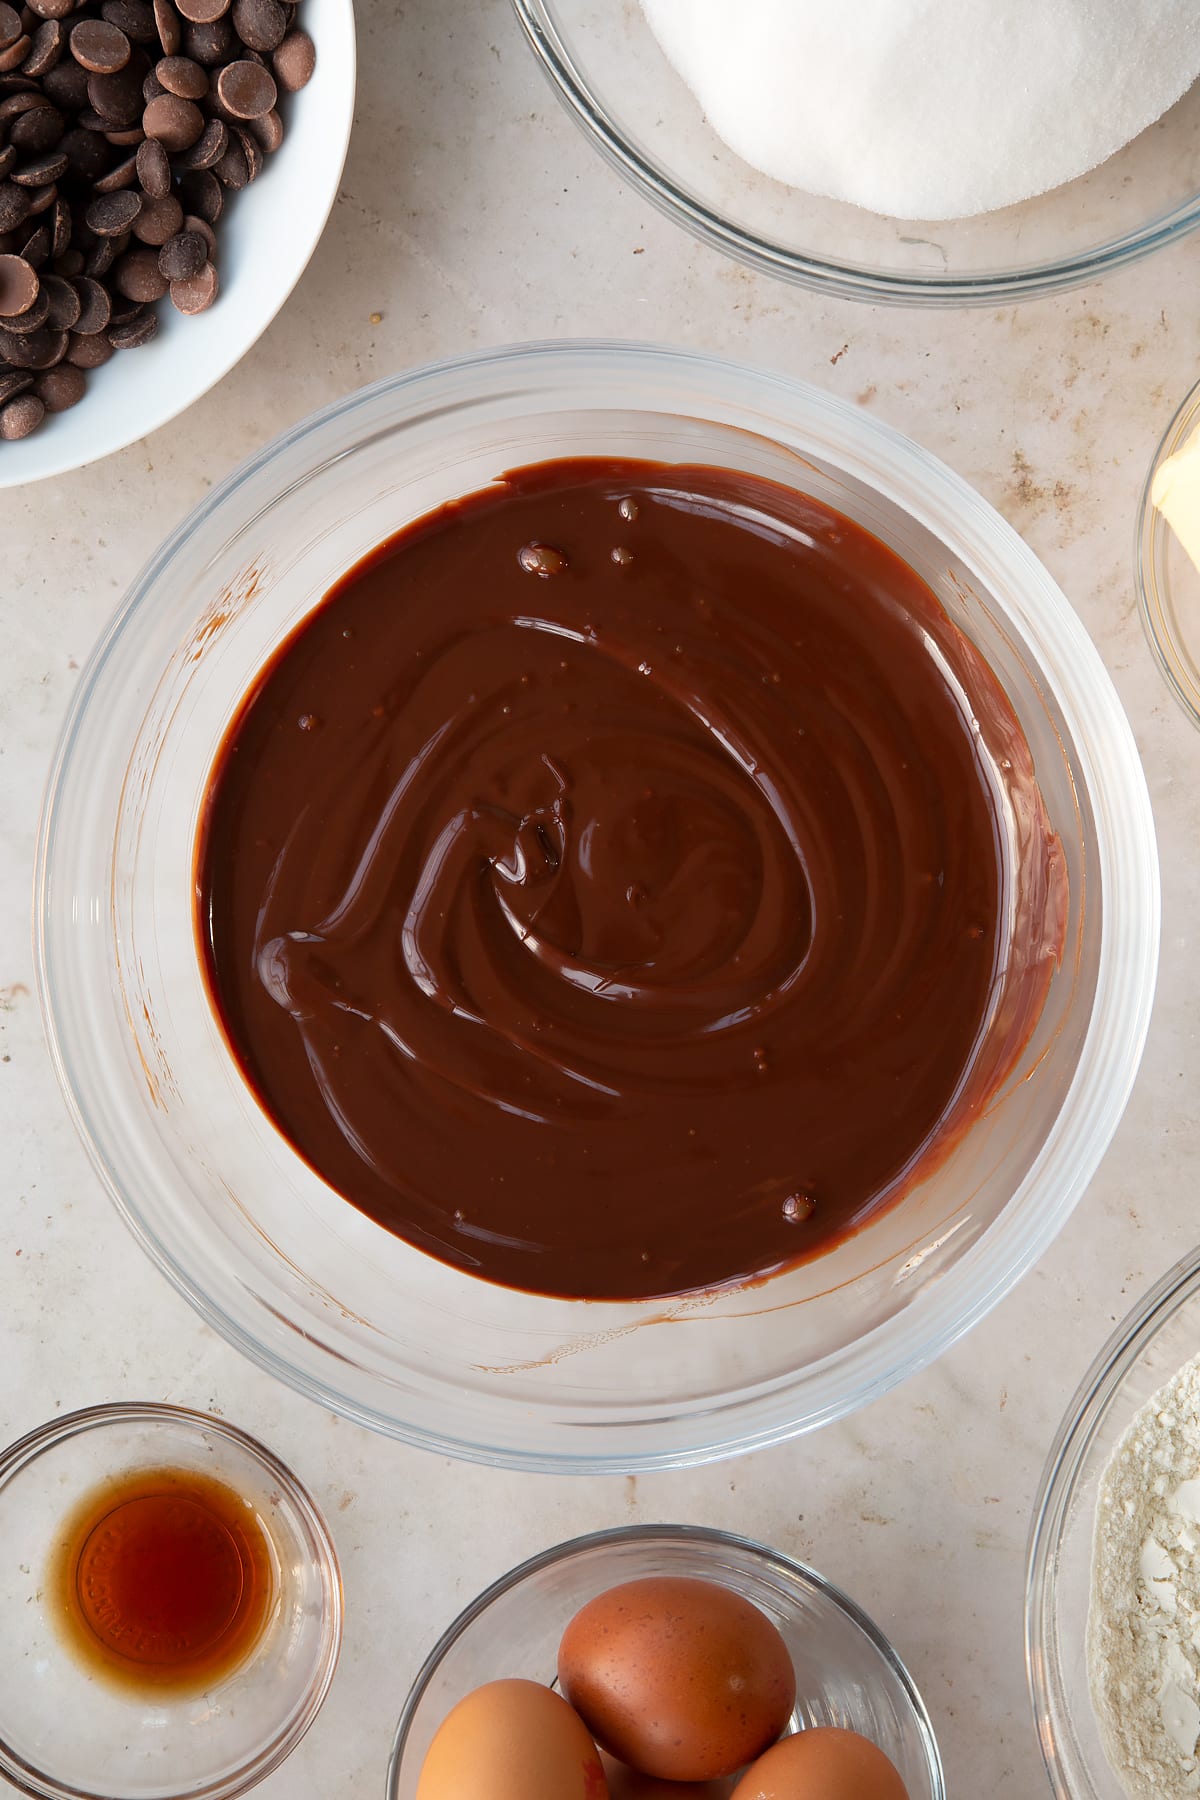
x=951 y=152
x=1113 y=1599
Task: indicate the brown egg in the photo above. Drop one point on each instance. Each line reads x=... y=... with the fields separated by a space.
x=512 y=1740
x=680 y=1678
x=625 y=1783
x=822 y=1764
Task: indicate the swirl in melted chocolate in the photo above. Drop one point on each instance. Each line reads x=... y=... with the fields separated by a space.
x=606 y=888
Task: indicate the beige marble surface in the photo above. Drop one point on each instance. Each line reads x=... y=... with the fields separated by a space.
x=472 y=213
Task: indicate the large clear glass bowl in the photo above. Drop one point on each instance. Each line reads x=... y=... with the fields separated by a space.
x=609 y=72
x=847 y=1674
x=320 y=1294
x=1148 y=1346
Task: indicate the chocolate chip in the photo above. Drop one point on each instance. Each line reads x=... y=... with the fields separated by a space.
x=26 y=323
x=232 y=168
x=53 y=9
x=253 y=152
x=99 y=47
x=121 y=175
x=203 y=12
x=88 y=352
x=61 y=387
x=184 y=256
x=45 y=47
x=10 y=25
x=13 y=105
x=137 y=276
x=42 y=170
x=13 y=57
x=260 y=24
x=69 y=264
x=202 y=194
x=208 y=149
x=268 y=131
x=245 y=90
x=95 y=306
x=203 y=229
x=210 y=44
x=14 y=206
x=110 y=215
x=158 y=221
x=174 y=123
x=21 y=416
x=14 y=381
x=117 y=98
x=41 y=197
x=134 y=17
x=132 y=333
x=197 y=293
x=169 y=26
x=28 y=351
x=294 y=62
x=37 y=247
x=19 y=285
x=66 y=85
x=37 y=130
x=180 y=75
x=102 y=256
x=63 y=301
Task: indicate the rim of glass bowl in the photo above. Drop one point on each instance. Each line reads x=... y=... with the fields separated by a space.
x=668 y=1534
x=1081 y=1421
x=1152 y=535
x=850 y=281
x=17 y=1456
x=814 y=423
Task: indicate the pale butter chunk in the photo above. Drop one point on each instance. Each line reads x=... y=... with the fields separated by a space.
x=1176 y=494
x=930 y=109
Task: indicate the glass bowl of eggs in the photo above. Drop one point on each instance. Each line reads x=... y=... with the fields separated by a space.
x=904 y=113
x=691 y=1656
x=357 y=1315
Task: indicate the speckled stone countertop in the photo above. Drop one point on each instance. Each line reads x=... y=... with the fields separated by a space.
x=471 y=213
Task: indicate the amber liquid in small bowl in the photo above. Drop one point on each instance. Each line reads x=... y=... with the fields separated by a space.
x=164 y=1580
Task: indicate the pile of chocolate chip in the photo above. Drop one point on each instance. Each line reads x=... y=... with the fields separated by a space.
x=123 y=126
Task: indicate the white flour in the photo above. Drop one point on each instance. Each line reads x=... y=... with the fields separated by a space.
x=930 y=109
x=1143 y=1639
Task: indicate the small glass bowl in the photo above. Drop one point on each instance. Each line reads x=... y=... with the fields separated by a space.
x=1168 y=581
x=611 y=75
x=1150 y=1344
x=65 y=1735
x=847 y=1673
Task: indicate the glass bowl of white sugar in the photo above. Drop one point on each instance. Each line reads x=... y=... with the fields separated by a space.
x=1098 y=107
x=1113 y=1596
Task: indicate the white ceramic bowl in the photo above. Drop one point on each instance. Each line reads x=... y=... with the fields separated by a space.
x=264 y=242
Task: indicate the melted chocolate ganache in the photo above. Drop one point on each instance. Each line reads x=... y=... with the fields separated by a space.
x=606 y=887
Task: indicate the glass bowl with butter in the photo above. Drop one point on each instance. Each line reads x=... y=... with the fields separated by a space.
x=1168 y=555
x=311 y=1286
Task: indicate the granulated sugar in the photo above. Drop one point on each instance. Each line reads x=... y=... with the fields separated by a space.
x=930 y=109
